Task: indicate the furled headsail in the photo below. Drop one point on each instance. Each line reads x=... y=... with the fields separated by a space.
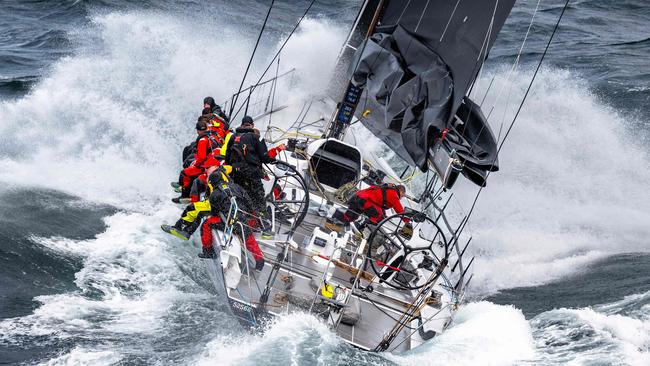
x=410 y=75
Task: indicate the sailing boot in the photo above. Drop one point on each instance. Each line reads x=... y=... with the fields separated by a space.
x=190 y=227
x=185 y=196
x=177 y=187
x=177 y=231
x=208 y=252
x=259 y=264
x=267 y=233
x=182 y=200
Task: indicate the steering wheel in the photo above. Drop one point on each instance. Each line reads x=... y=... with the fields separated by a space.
x=395 y=257
x=289 y=194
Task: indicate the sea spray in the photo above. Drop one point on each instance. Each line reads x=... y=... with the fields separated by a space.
x=108 y=122
x=571 y=185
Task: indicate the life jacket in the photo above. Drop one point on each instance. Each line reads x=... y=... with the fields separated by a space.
x=222 y=191
x=215 y=142
x=227 y=140
x=195 y=149
x=201 y=137
x=237 y=152
x=240 y=153
x=218 y=178
x=216 y=122
x=219 y=198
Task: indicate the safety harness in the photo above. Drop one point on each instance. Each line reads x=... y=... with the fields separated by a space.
x=384 y=188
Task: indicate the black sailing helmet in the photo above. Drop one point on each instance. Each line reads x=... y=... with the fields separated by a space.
x=247 y=120
x=209 y=101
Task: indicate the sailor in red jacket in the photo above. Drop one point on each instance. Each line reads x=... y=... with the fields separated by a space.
x=204 y=148
x=374 y=201
x=218 y=134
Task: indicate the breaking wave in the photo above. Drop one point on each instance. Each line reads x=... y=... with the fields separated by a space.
x=107 y=125
x=615 y=334
x=571 y=188
x=482 y=333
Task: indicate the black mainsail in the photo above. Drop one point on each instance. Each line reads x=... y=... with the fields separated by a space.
x=411 y=74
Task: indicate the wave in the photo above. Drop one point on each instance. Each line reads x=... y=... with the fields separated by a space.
x=49 y=40
x=571 y=188
x=482 y=333
x=600 y=334
x=17 y=85
x=107 y=124
x=630 y=43
x=85 y=356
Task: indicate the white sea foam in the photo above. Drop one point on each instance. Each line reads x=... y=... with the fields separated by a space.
x=290 y=338
x=80 y=356
x=570 y=190
x=482 y=334
x=587 y=336
x=636 y=305
x=107 y=124
x=132 y=274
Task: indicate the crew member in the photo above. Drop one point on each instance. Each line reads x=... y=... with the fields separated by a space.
x=193 y=161
x=189 y=151
x=215 y=209
x=219 y=137
x=205 y=147
x=222 y=192
x=374 y=201
x=208 y=102
x=246 y=152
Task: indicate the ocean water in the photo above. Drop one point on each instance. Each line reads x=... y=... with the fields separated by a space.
x=98 y=97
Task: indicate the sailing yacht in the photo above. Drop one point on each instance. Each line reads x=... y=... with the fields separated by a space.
x=404 y=73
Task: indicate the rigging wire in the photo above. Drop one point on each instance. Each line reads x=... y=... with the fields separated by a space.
x=449 y=21
x=508 y=78
x=485 y=47
x=514 y=120
x=274 y=86
x=250 y=61
x=510 y=73
x=277 y=54
x=478 y=67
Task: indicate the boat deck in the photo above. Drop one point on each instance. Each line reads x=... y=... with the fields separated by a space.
x=296 y=289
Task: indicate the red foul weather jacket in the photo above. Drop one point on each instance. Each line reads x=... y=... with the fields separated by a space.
x=374 y=197
x=206 y=147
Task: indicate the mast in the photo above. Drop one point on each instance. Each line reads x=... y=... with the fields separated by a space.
x=363 y=27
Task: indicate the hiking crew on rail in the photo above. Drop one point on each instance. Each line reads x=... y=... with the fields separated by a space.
x=220 y=165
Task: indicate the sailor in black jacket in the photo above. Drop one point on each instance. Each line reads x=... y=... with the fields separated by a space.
x=246 y=152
